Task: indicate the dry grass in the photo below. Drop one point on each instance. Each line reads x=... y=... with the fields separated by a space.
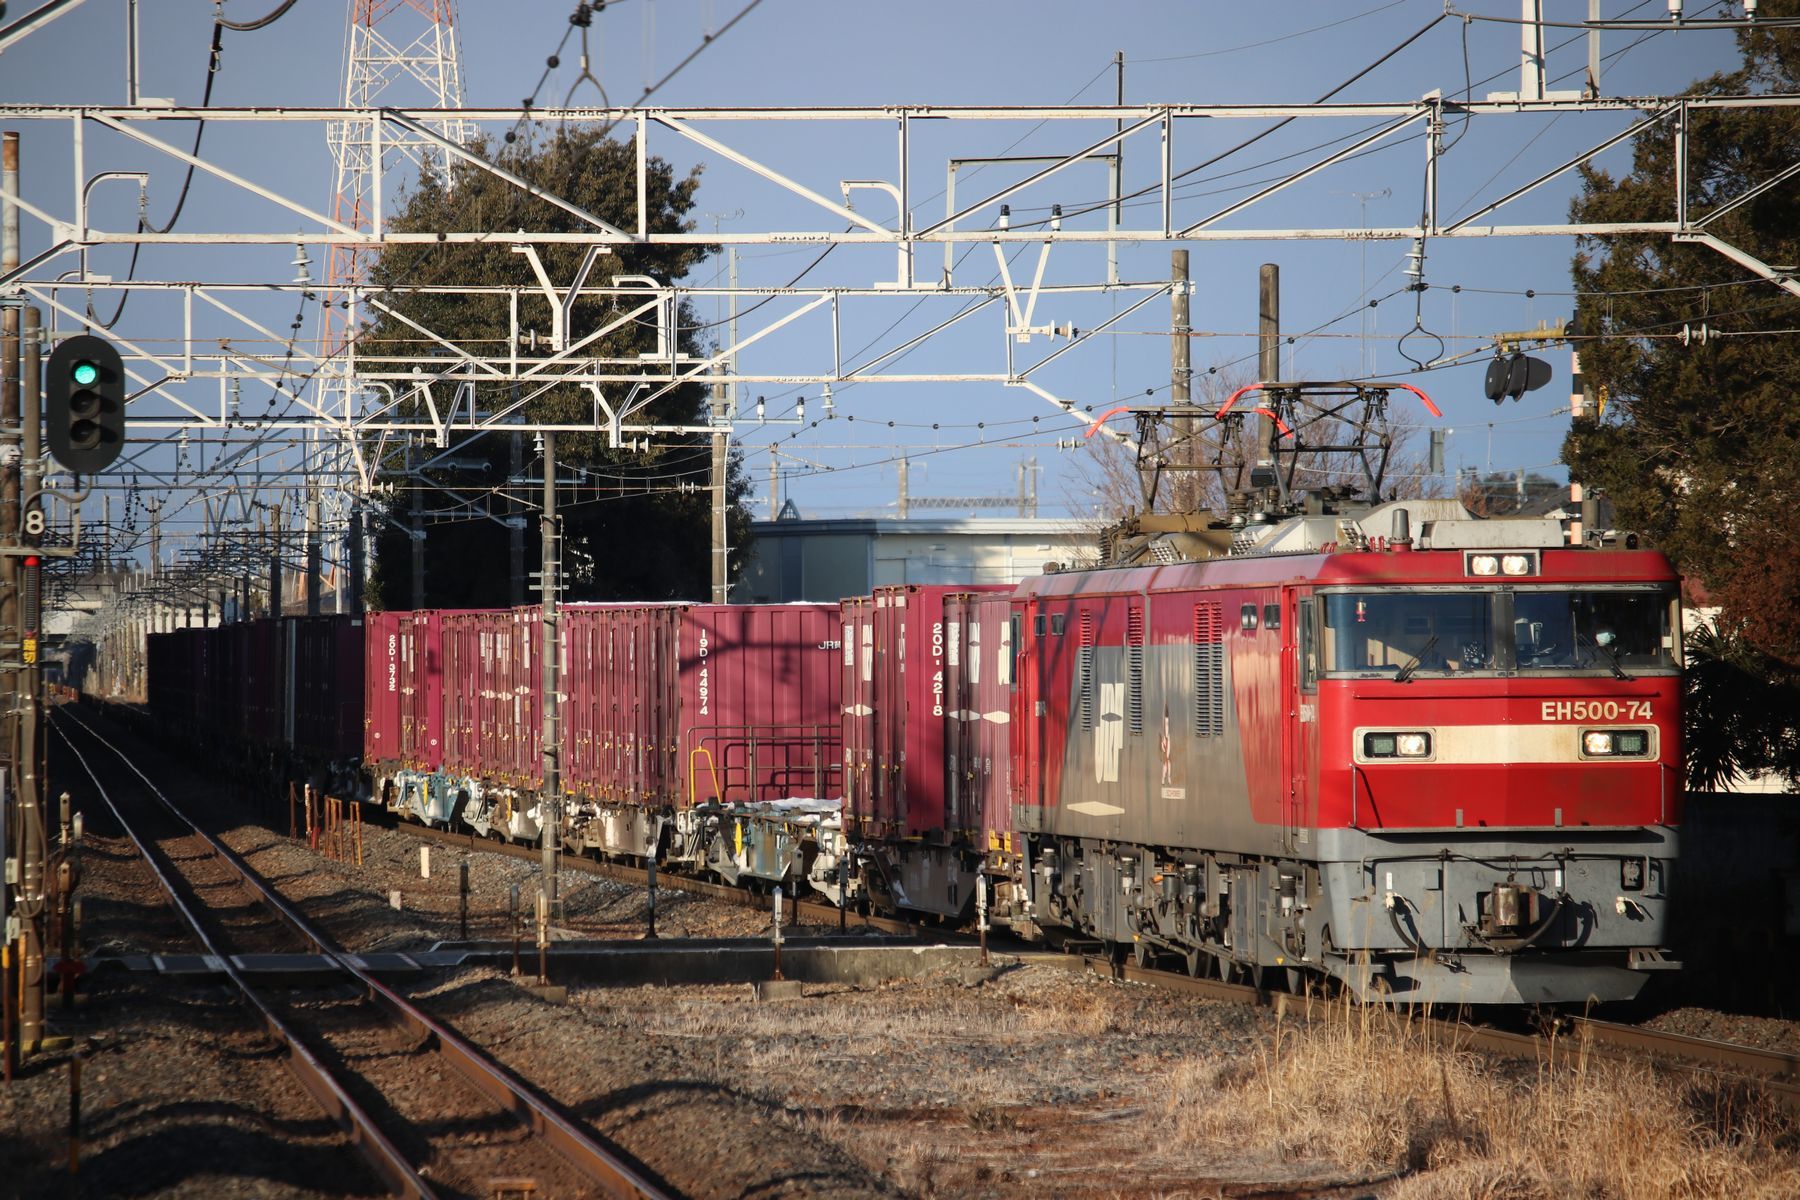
x=1367 y=1091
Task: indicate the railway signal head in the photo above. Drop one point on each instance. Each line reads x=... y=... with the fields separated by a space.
x=1512 y=375
x=84 y=404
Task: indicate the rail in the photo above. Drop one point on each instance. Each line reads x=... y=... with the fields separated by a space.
x=615 y=1177
x=389 y=1164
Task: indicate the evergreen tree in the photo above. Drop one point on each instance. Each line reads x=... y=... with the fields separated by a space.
x=1699 y=444
x=636 y=524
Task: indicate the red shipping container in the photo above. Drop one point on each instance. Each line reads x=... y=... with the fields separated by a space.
x=263 y=684
x=324 y=693
x=459 y=637
x=618 y=687
x=491 y=712
x=673 y=704
x=759 y=700
x=908 y=791
x=980 y=652
x=381 y=689
x=421 y=690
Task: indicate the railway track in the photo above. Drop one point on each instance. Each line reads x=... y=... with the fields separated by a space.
x=424 y=1145
x=1777 y=1072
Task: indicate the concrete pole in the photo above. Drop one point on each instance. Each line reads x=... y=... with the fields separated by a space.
x=33 y=407
x=9 y=440
x=24 y=902
x=904 y=500
x=1269 y=352
x=357 y=554
x=1269 y=366
x=275 y=564
x=1577 y=412
x=550 y=803
x=1181 y=376
x=721 y=459
x=314 y=551
x=515 y=520
x=35 y=850
x=774 y=487
x=416 y=534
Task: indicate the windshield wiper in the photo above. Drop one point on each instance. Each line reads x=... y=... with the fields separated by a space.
x=1405 y=673
x=1612 y=660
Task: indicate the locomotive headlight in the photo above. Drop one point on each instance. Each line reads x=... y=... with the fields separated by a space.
x=1615 y=743
x=1515 y=564
x=1484 y=564
x=1397 y=745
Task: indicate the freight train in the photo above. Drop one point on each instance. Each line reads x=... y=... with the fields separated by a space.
x=1433 y=757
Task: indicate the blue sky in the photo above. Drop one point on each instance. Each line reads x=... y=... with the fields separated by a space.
x=811 y=52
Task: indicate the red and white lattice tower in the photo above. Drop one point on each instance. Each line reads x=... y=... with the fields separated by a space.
x=397 y=54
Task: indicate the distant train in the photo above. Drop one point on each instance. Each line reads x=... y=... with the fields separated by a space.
x=1434 y=757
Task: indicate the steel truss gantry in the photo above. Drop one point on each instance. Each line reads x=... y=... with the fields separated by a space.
x=378 y=398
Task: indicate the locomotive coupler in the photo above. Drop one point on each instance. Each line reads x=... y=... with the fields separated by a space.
x=1515 y=917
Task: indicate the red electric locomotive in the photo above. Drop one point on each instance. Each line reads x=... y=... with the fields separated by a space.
x=1436 y=757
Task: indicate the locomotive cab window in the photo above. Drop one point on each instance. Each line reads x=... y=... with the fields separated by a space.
x=1395 y=633
x=1308 y=648
x=1458 y=631
x=1594 y=630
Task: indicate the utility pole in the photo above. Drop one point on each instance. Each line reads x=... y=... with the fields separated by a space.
x=1365 y=366
x=1269 y=354
x=904 y=499
x=357 y=566
x=721 y=443
x=775 y=486
x=1181 y=375
x=24 y=904
x=1115 y=169
x=314 y=552
x=550 y=802
x=515 y=517
x=9 y=439
x=275 y=563
x=416 y=534
x=1578 y=502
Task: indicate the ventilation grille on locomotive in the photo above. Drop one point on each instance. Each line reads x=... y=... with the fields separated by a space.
x=1209 y=670
x=1084 y=662
x=1134 y=655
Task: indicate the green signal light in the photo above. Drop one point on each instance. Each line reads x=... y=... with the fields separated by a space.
x=84 y=373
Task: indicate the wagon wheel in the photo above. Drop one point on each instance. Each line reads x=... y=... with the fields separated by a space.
x=1142 y=953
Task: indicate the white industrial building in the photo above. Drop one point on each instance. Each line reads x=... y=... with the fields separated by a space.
x=795 y=559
